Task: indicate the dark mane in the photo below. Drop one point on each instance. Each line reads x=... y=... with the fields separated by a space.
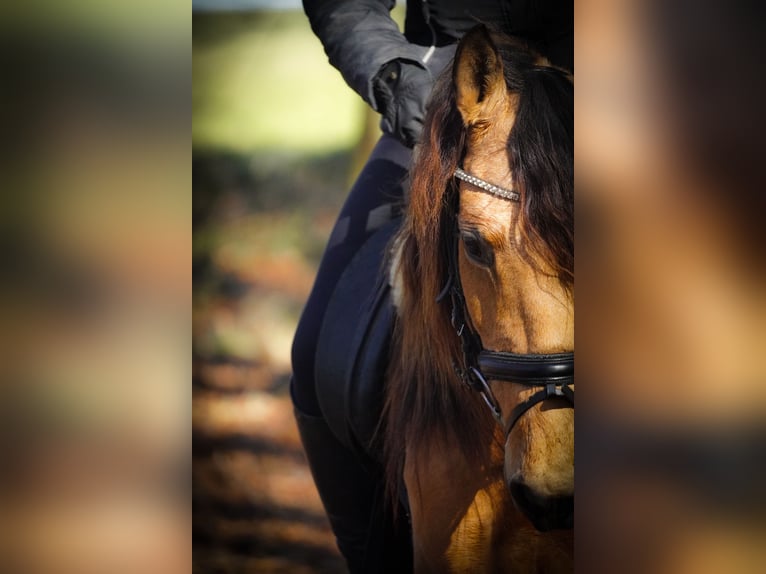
x=424 y=397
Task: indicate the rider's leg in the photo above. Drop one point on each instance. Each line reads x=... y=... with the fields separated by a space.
x=371 y=203
x=350 y=492
x=347 y=489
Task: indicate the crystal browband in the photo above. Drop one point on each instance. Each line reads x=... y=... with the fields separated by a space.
x=486 y=186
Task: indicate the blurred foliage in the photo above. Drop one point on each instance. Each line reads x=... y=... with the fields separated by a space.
x=275 y=132
x=262 y=81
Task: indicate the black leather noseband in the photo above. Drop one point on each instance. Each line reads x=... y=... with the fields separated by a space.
x=552 y=374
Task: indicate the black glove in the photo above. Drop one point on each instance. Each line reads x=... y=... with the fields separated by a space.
x=401 y=90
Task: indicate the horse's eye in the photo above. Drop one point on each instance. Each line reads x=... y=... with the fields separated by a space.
x=477 y=249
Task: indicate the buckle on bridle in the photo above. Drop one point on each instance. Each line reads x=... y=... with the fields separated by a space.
x=482 y=386
x=461 y=374
x=454 y=320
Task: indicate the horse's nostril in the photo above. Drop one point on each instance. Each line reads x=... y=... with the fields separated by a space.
x=545 y=512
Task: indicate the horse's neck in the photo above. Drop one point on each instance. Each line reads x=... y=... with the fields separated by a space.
x=454 y=507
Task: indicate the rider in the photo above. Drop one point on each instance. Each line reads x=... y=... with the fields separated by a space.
x=393 y=73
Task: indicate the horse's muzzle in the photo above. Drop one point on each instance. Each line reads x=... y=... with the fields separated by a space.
x=544 y=512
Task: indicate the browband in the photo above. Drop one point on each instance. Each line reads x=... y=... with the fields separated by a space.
x=486 y=186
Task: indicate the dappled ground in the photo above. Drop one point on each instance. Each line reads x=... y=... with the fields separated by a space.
x=255 y=506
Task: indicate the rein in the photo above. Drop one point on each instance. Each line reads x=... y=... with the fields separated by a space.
x=552 y=374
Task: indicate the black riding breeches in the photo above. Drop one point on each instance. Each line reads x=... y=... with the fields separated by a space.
x=352 y=493
x=375 y=198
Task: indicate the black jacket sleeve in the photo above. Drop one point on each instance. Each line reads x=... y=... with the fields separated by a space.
x=359 y=37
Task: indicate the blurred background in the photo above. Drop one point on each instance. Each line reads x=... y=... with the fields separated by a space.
x=95 y=288
x=671 y=287
x=277 y=140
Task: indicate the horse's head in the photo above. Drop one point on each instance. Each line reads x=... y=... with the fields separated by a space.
x=498 y=252
x=515 y=254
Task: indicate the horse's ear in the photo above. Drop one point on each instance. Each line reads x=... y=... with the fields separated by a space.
x=478 y=76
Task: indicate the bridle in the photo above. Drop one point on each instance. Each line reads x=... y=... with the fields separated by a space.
x=552 y=374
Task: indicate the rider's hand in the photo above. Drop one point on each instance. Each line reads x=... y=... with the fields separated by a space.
x=402 y=88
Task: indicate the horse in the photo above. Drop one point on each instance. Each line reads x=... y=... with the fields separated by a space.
x=478 y=423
